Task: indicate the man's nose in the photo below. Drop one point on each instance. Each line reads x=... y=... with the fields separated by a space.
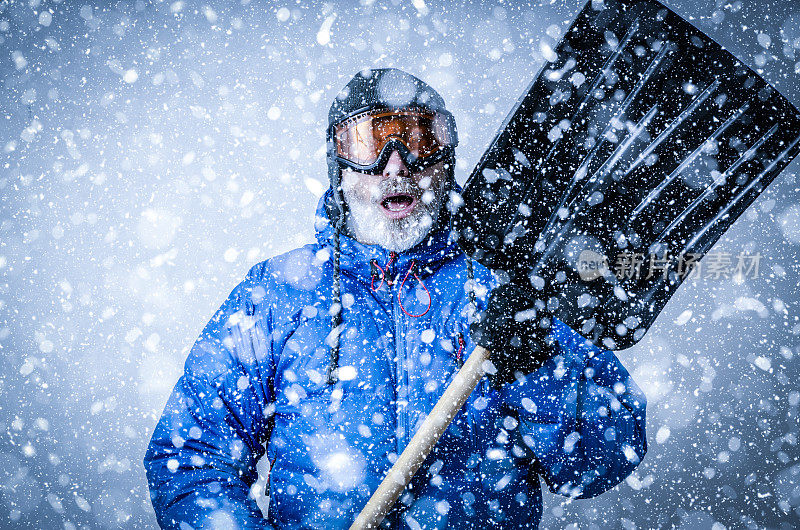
x=395 y=167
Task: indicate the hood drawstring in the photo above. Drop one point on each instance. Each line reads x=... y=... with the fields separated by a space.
x=336 y=306
x=400 y=292
x=472 y=311
x=383 y=272
x=471 y=280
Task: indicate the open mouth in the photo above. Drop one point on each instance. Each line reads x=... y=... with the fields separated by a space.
x=398 y=205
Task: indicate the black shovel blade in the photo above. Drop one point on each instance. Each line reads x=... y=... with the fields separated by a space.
x=624 y=162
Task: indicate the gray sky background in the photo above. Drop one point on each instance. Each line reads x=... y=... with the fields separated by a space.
x=151 y=152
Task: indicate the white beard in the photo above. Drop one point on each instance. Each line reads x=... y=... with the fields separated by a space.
x=370 y=226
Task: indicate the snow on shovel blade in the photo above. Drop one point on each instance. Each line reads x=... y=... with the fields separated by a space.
x=624 y=162
x=641 y=138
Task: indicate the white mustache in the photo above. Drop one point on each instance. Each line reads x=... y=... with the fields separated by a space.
x=394 y=187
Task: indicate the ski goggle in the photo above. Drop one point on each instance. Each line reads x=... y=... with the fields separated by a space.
x=422 y=137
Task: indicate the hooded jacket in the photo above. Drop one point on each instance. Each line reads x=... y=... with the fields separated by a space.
x=255 y=381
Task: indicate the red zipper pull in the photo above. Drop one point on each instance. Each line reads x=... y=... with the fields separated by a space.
x=460 y=352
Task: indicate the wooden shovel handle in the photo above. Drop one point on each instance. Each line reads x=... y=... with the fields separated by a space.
x=423 y=441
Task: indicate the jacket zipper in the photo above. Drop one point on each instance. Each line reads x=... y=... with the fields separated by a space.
x=401 y=403
x=401 y=376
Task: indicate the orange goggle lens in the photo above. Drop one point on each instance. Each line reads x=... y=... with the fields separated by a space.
x=361 y=139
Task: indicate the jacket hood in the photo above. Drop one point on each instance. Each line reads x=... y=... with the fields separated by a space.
x=355 y=257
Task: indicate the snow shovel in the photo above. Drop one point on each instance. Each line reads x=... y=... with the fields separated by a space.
x=628 y=157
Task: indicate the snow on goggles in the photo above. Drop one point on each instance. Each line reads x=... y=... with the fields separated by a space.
x=360 y=141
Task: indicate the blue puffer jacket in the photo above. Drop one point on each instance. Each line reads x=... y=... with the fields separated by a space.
x=255 y=378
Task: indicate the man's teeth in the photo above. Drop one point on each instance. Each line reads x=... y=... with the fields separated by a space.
x=397 y=203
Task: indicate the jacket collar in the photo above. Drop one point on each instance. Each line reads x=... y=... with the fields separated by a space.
x=356 y=258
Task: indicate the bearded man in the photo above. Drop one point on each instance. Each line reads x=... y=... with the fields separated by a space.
x=328 y=358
